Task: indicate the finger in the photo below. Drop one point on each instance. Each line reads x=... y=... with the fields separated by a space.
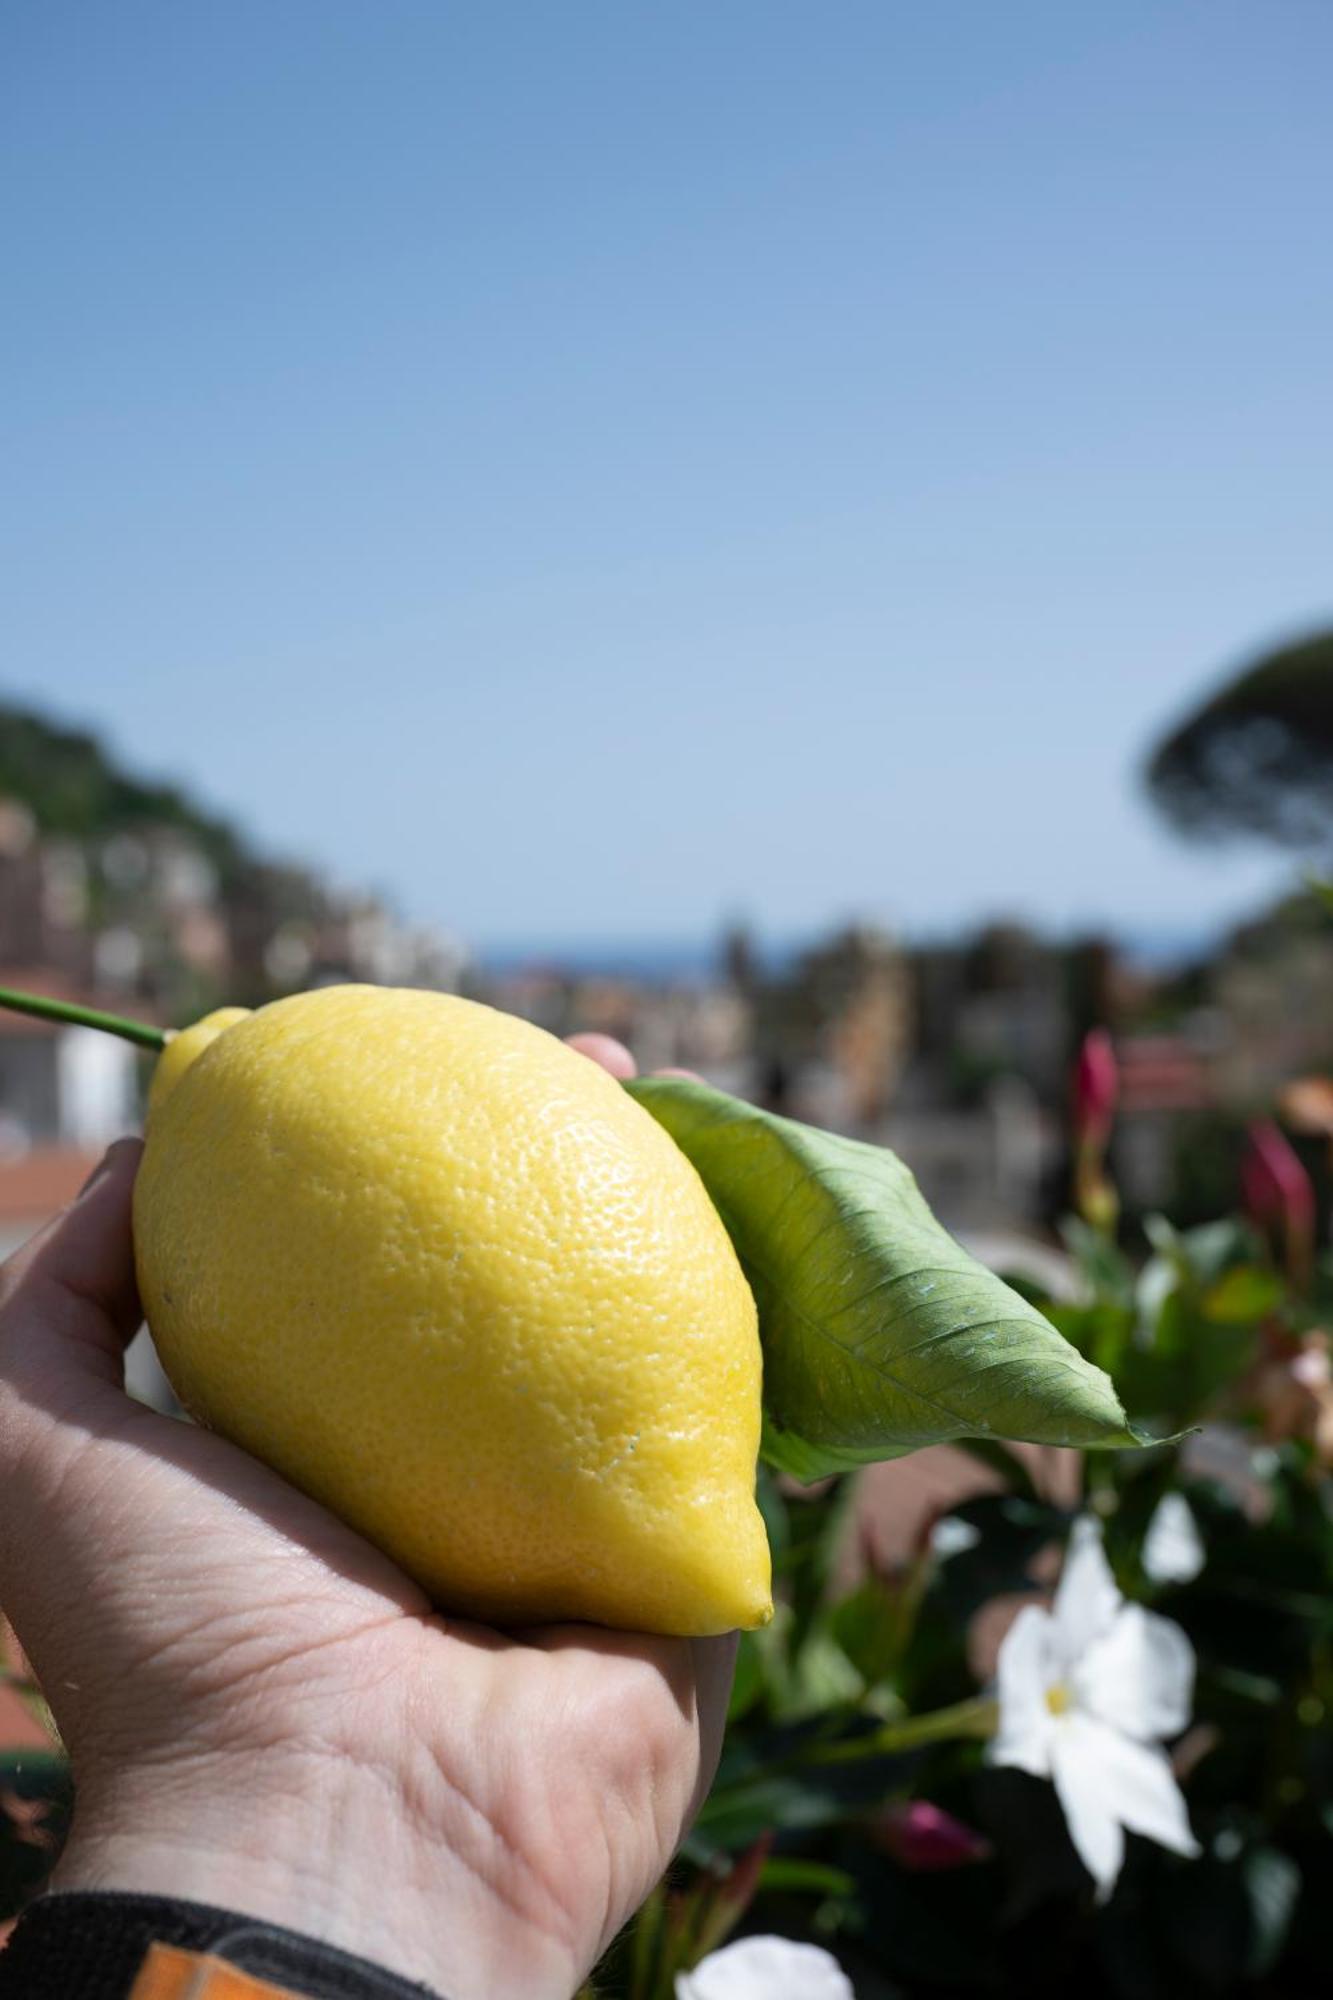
x=698 y=1672
x=689 y=1075
x=690 y=1680
x=73 y=1284
x=608 y=1053
x=714 y=1671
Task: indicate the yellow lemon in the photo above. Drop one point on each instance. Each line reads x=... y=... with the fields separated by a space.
x=444 y=1274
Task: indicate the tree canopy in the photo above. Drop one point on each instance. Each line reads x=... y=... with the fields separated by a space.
x=1257 y=756
x=73 y=786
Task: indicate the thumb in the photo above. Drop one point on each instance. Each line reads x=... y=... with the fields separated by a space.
x=70 y=1292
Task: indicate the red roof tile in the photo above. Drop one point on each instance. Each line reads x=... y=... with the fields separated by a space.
x=35 y=1184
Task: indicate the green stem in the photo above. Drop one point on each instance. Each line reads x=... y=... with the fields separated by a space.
x=976 y=1717
x=647 y=1947
x=74 y=1016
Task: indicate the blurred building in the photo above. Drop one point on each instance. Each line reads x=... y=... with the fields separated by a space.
x=65 y=1093
x=1164 y=1078
x=956 y=1053
x=61 y=1085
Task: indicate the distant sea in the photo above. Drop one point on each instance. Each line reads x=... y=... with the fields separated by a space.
x=659 y=961
x=668 y=961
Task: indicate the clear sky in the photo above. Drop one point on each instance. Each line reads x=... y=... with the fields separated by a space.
x=589 y=469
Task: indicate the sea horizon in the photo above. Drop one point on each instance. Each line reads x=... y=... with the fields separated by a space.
x=665 y=960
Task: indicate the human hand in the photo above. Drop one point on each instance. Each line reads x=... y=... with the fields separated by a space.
x=264 y=1713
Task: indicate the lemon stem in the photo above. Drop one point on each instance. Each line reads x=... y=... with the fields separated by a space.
x=74 y=1016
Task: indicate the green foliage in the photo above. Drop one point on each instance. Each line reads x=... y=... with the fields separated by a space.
x=1257 y=756
x=72 y=786
x=1179 y=1332
x=880 y=1332
x=862 y=1695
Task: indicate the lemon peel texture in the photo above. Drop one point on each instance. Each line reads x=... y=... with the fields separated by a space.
x=444 y=1274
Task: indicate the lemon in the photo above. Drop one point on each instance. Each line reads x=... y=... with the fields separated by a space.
x=447 y=1277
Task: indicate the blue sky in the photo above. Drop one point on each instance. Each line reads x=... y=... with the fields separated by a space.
x=588 y=470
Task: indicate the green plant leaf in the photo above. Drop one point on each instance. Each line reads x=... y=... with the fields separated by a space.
x=809 y=1878
x=880 y=1332
x=1272 y=1888
x=1243 y=1294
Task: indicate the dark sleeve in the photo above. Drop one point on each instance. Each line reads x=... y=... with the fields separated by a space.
x=119 y=1947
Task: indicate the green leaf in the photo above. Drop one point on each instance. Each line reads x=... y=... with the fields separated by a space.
x=811 y=1878
x=1321 y=890
x=1244 y=1294
x=747 y=1684
x=786 y=1452
x=868 y=1626
x=1104 y=1266
x=824 y=1678
x=1272 y=1887
x=880 y=1332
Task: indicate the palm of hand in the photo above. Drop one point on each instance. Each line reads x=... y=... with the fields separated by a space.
x=206 y=1633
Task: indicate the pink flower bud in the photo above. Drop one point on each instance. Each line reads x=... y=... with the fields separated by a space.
x=926 y=1838
x=1096 y=1087
x=1275 y=1186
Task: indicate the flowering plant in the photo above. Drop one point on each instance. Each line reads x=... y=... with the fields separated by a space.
x=1024 y=1718
x=1075 y=1729
x=1086 y=1689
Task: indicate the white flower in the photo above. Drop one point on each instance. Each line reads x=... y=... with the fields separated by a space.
x=766 y=1968
x=1087 y=1690
x=1173 y=1549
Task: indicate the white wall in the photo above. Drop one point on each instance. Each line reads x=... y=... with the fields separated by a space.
x=98 y=1097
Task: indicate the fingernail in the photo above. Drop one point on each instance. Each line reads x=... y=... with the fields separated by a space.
x=104 y=1166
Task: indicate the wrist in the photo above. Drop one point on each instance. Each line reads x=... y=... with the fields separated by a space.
x=331 y=1854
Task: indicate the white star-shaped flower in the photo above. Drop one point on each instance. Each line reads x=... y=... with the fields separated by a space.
x=766 y=1968
x=1087 y=1692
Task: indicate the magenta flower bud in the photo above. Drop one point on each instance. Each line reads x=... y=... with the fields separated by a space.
x=1275 y=1186
x=1096 y=1087
x=925 y=1838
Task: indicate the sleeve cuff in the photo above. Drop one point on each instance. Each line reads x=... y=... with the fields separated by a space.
x=109 y=1946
